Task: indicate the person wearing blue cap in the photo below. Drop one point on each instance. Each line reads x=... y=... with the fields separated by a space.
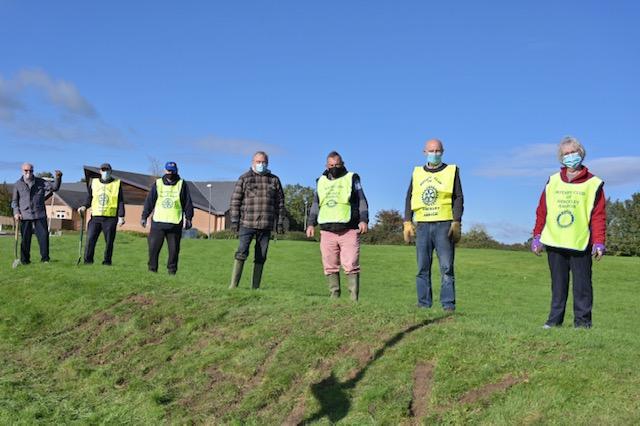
x=169 y=200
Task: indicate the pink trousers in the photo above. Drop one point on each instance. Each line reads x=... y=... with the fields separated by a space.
x=341 y=247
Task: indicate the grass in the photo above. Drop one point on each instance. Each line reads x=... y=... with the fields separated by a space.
x=95 y=344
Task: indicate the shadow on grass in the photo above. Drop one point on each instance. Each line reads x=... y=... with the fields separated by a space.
x=333 y=395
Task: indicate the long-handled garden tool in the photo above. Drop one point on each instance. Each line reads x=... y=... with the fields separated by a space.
x=83 y=216
x=16 y=225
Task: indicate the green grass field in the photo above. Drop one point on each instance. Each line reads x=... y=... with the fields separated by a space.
x=93 y=344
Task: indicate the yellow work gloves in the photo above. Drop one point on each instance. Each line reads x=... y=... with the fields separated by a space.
x=408 y=231
x=455 y=232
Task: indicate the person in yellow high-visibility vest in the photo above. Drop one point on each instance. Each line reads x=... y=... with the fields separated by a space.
x=435 y=203
x=107 y=210
x=341 y=210
x=170 y=201
x=571 y=222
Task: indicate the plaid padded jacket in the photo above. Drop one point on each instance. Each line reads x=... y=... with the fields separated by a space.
x=257 y=201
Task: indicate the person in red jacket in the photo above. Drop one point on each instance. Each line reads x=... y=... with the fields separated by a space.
x=571 y=223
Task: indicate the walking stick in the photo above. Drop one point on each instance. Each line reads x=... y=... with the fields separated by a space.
x=82 y=215
x=16 y=262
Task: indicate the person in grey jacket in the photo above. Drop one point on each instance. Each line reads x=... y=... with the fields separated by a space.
x=29 y=194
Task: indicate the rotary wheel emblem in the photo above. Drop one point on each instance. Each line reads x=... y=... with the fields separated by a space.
x=167 y=203
x=103 y=199
x=565 y=219
x=429 y=195
x=331 y=203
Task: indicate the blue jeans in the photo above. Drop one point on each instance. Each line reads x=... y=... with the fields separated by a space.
x=429 y=236
x=245 y=235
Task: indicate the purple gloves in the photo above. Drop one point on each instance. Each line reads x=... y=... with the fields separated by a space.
x=597 y=251
x=536 y=245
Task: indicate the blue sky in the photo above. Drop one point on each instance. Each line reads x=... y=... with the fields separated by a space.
x=207 y=83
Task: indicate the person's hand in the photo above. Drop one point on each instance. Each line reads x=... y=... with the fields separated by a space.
x=18 y=217
x=363 y=227
x=82 y=209
x=408 y=231
x=455 y=232
x=235 y=227
x=311 y=231
x=58 y=174
x=120 y=221
x=536 y=245
x=597 y=251
x=143 y=223
x=279 y=228
x=187 y=224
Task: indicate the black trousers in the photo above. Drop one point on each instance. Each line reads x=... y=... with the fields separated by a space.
x=27 y=228
x=156 y=238
x=245 y=235
x=561 y=263
x=106 y=225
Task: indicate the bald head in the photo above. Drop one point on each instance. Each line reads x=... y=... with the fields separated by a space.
x=433 y=145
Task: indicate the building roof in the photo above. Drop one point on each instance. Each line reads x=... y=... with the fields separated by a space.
x=220 y=191
x=72 y=198
x=220 y=194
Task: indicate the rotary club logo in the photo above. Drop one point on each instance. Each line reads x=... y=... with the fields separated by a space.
x=103 y=199
x=167 y=203
x=565 y=219
x=429 y=195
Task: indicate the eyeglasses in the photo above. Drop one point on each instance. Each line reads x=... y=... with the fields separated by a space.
x=331 y=166
x=27 y=170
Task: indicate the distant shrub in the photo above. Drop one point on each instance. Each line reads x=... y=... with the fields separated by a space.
x=227 y=234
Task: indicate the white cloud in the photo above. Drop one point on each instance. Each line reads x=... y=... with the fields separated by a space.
x=527 y=161
x=36 y=107
x=235 y=146
x=58 y=92
x=616 y=170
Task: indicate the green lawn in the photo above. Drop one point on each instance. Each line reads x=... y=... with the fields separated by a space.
x=93 y=344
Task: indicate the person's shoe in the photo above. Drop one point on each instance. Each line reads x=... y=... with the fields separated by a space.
x=236 y=274
x=88 y=262
x=106 y=262
x=422 y=306
x=449 y=310
x=171 y=272
x=153 y=270
x=547 y=326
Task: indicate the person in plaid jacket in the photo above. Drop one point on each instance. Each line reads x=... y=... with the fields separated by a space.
x=257 y=209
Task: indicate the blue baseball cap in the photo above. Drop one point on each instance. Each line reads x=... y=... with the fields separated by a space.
x=170 y=166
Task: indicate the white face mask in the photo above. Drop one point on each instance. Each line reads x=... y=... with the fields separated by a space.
x=105 y=174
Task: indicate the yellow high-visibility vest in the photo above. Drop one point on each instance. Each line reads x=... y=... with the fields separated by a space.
x=168 y=208
x=333 y=197
x=432 y=193
x=569 y=207
x=104 y=201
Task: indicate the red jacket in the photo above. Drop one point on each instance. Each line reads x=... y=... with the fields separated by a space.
x=598 y=222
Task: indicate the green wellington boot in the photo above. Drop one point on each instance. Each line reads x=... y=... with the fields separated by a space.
x=333 y=280
x=237 y=273
x=354 y=285
x=257 y=275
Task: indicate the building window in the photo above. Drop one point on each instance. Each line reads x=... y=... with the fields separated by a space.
x=61 y=214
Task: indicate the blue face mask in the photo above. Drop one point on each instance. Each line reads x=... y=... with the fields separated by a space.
x=434 y=159
x=104 y=175
x=261 y=168
x=572 y=160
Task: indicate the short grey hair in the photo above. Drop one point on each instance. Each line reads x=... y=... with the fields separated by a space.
x=575 y=143
x=261 y=153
